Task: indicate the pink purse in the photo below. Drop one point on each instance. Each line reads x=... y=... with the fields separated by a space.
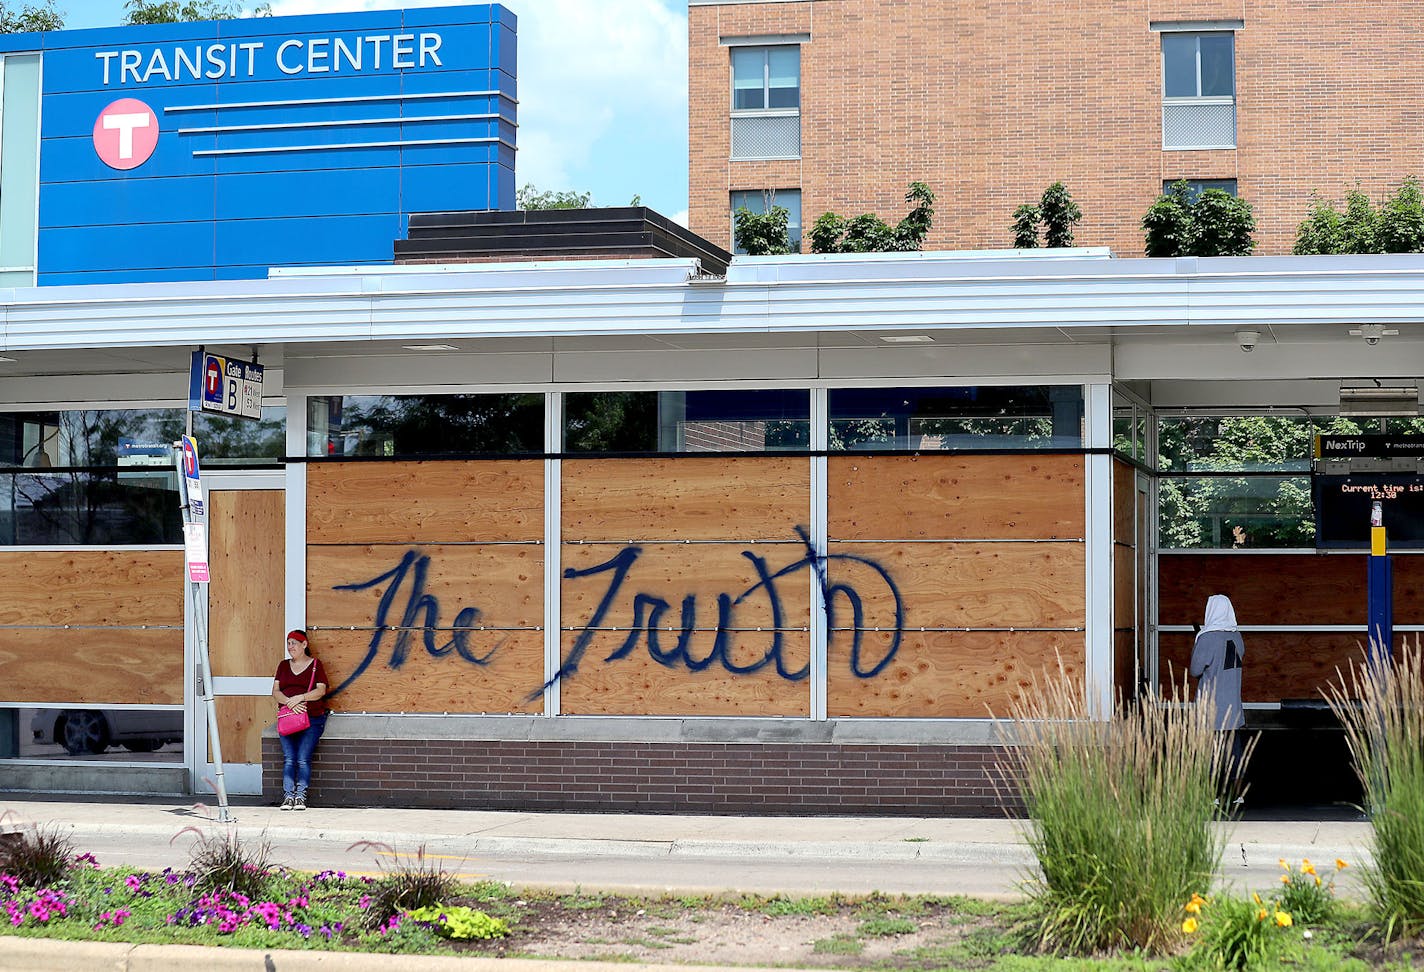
x=289 y=722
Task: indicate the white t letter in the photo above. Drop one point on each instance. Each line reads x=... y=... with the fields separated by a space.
x=126 y=123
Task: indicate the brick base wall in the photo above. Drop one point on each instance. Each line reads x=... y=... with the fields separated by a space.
x=710 y=778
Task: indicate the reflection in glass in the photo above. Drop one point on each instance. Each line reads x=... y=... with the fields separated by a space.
x=1246 y=443
x=425 y=425
x=691 y=421
x=970 y=417
x=119 y=506
x=92 y=734
x=1228 y=512
x=231 y=441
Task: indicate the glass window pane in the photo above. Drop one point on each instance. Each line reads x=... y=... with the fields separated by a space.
x=232 y=441
x=756 y=201
x=693 y=421
x=1228 y=512
x=1218 y=75
x=426 y=425
x=1179 y=65
x=784 y=77
x=111 y=507
x=86 y=437
x=19 y=160
x=1247 y=443
x=1033 y=417
x=146 y=735
x=748 y=78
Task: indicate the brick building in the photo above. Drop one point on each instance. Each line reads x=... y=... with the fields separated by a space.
x=839 y=104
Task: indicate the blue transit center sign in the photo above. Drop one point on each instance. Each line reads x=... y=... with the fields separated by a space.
x=217 y=150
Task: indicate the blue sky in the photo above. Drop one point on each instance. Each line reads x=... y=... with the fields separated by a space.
x=602 y=91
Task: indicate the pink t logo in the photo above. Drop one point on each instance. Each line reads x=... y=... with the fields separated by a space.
x=126 y=134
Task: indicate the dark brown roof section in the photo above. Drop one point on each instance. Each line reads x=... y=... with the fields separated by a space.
x=615 y=232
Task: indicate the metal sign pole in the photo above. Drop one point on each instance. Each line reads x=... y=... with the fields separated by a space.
x=1380 y=589
x=198 y=599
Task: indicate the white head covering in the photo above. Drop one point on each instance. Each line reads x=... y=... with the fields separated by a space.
x=1220 y=615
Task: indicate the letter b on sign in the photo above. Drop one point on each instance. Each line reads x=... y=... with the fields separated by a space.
x=125 y=134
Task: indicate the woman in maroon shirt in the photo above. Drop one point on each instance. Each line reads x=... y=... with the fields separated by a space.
x=300 y=685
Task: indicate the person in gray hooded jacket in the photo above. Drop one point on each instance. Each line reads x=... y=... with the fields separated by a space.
x=1216 y=663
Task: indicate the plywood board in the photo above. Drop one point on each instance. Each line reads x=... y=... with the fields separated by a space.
x=241 y=720
x=247 y=595
x=1124 y=665
x=411 y=679
x=1277 y=665
x=1301 y=588
x=955 y=497
x=1124 y=586
x=692 y=498
x=948 y=673
x=964 y=585
x=100 y=587
x=673 y=572
x=503 y=582
x=425 y=502
x=98 y=665
x=639 y=685
x=1124 y=499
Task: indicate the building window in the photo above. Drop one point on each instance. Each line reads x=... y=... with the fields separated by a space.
x=770 y=420
x=956 y=418
x=1198 y=89
x=425 y=425
x=759 y=201
x=19 y=167
x=766 y=102
x=1195 y=187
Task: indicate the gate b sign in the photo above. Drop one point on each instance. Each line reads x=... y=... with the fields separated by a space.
x=225 y=386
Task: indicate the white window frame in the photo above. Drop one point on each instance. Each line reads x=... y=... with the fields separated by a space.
x=735 y=112
x=1198 y=28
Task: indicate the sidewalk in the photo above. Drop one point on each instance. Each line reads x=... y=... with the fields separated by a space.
x=500 y=834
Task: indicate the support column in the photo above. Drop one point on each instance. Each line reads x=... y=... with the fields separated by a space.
x=1097 y=467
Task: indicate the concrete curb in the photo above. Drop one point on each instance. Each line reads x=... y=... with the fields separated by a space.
x=52 y=955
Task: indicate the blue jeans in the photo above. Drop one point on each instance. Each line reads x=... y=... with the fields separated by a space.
x=297 y=752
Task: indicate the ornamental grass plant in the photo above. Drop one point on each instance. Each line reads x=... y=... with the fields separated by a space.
x=1120 y=812
x=1381 y=706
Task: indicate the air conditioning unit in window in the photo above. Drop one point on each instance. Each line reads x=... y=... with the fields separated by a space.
x=1373 y=397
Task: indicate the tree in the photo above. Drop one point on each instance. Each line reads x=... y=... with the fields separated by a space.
x=1214 y=223
x=176 y=11
x=30 y=18
x=1026 y=220
x=763 y=234
x=868 y=233
x=1396 y=227
x=529 y=197
x=1056 y=212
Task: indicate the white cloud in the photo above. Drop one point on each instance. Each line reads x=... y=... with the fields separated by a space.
x=599 y=80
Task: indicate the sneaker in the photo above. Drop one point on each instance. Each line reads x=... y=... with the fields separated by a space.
x=300 y=803
x=287 y=803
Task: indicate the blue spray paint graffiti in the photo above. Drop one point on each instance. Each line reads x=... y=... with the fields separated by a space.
x=422 y=612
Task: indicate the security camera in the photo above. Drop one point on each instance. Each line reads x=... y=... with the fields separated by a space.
x=1247 y=340
x=1373 y=332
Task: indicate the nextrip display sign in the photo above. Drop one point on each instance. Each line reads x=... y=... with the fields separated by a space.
x=225 y=386
x=218 y=150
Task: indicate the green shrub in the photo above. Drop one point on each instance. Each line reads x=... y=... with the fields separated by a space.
x=1308 y=897
x=885 y=927
x=1120 y=814
x=460 y=922
x=1237 y=934
x=1381 y=706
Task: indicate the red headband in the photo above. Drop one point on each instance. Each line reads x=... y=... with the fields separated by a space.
x=297 y=635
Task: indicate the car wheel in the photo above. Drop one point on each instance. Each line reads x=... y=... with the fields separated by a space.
x=143 y=745
x=84 y=733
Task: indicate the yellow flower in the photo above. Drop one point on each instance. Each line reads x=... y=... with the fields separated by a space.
x=1261 y=915
x=1304 y=863
x=1189 y=926
x=1283 y=919
x=1317 y=880
x=1285 y=879
x=1193 y=908
x=1340 y=864
x=1308 y=869
x=1284 y=865
x=1255 y=897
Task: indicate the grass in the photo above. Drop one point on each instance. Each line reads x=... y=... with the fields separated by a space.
x=1121 y=815
x=37 y=856
x=1382 y=710
x=886 y=927
x=838 y=945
